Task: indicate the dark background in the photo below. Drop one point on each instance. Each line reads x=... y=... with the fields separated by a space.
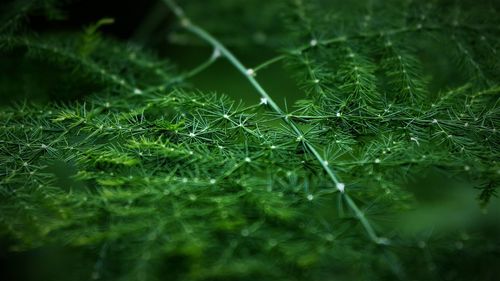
x=150 y=24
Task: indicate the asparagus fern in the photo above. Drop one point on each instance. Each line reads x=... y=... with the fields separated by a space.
x=143 y=177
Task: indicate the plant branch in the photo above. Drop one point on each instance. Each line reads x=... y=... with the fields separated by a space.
x=266 y=99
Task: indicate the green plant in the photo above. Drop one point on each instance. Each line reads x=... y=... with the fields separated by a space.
x=116 y=159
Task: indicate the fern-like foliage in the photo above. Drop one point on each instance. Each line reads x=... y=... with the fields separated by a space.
x=108 y=152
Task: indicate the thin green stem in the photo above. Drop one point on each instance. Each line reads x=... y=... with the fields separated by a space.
x=193 y=72
x=269 y=62
x=366 y=224
x=189 y=74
